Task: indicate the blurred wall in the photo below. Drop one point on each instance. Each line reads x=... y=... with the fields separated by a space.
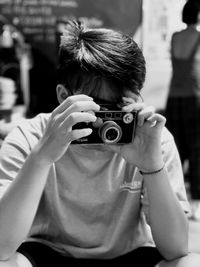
x=160 y=20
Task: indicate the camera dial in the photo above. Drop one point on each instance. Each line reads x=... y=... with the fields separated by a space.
x=128 y=118
x=110 y=132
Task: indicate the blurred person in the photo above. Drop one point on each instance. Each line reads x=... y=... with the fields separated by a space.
x=13 y=88
x=11 y=45
x=93 y=204
x=7 y=104
x=183 y=104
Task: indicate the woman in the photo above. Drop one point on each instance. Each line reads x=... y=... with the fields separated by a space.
x=183 y=105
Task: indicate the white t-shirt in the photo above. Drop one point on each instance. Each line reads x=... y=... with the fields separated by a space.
x=94 y=203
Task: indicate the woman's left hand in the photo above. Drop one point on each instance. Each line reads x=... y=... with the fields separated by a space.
x=145 y=150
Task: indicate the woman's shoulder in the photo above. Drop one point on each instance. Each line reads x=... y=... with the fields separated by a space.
x=31 y=128
x=184 y=43
x=40 y=120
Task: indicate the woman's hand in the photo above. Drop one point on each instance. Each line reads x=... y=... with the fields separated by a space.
x=59 y=134
x=145 y=150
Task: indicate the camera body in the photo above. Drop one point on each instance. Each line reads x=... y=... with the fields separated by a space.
x=113 y=126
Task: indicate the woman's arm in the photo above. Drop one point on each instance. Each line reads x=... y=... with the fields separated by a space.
x=19 y=204
x=167 y=219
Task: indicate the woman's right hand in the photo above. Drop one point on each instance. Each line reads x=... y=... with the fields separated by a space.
x=59 y=134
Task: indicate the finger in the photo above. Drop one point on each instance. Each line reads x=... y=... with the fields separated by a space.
x=156 y=120
x=80 y=106
x=77 y=117
x=77 y=134
x=69 y=101
x=133 y=107
x=144 y=115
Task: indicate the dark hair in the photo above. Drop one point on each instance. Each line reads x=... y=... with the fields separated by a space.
x=86 y=56
x=190 y=12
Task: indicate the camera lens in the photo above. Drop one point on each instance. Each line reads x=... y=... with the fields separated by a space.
x=110 y=132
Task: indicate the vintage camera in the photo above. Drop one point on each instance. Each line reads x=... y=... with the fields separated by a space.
x=113 y=126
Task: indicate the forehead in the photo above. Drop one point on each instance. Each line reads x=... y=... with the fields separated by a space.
x=106 y=90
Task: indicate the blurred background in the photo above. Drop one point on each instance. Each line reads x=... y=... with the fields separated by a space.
x=30 y=31
x=29 y=38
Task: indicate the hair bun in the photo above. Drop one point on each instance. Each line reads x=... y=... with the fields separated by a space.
x=73 y=34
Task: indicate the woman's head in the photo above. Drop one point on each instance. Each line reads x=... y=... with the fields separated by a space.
x=91 y=60
x=191 y=11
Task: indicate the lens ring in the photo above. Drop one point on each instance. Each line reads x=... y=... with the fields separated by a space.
x=106 y=127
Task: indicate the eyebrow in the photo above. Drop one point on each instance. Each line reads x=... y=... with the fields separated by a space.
x=103 y=101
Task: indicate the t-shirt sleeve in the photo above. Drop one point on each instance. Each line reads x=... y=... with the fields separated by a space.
x=13 y=153
x=174 y=168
